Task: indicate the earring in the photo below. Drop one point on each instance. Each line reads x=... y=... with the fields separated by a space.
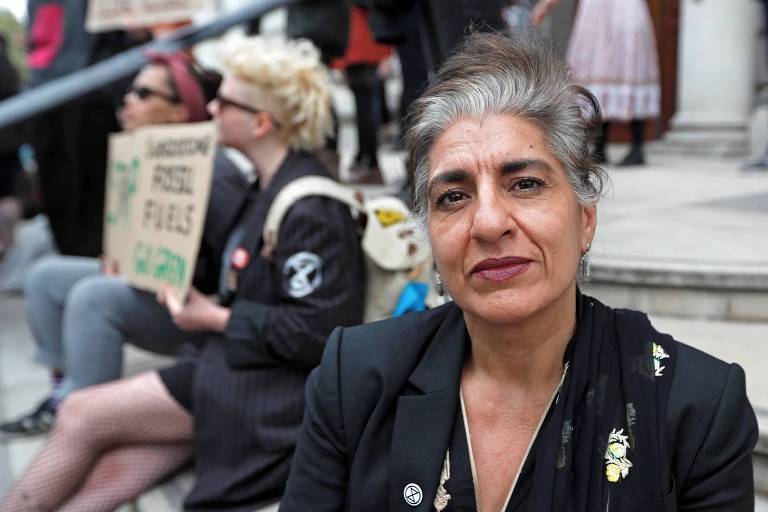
x=585 y=261
x=439 y=284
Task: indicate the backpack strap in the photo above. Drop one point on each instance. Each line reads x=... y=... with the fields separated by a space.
x=299 y=189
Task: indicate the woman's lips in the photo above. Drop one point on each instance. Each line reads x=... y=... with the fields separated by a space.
x=500 y=269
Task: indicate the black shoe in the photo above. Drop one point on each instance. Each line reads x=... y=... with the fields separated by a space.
x=634 y=157
x=361 y=174
x=37 y=422
x=758 y=164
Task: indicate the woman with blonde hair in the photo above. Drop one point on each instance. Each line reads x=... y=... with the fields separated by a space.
x=236 y=407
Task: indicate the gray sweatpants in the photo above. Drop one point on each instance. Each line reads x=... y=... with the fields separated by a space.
x=81 y=318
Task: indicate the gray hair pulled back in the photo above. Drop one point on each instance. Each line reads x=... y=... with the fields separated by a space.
x=492 y=74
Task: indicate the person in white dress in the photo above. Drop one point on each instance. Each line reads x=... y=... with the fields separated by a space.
x=612 y=52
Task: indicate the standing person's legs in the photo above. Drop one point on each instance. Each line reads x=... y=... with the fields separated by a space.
x=71 y=151
x=102 y=451
x=10 y=206
x=412 y=64
x=95 y=120
x=102 y=313
x=602 y=140
x=636 y=155
x=362 y=81
x=415 y=78
x=53 y=152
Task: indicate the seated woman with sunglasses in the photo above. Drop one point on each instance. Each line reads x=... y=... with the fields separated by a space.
x=237 y=407
x=80 y=314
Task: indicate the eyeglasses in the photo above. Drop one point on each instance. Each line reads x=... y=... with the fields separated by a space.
x=143 y=92
x=224 y=101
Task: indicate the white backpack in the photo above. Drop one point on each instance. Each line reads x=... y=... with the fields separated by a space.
x=395 y=252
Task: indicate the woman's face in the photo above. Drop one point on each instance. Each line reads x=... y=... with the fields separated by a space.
x=235 y=124
x=156 y=105
x=506 y=229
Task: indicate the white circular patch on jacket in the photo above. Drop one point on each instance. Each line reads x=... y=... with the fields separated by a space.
x=302 y=274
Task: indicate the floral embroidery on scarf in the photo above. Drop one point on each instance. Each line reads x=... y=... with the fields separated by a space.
x=658 y=355
x=442 y=496
x=616 y=463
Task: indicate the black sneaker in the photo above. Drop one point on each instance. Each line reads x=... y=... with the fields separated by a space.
x=758 y=164
x=37 y=422
x=634 y=157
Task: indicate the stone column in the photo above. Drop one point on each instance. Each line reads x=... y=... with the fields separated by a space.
x=716 y=72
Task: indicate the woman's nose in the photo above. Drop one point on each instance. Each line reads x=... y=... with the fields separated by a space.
x=213 y=107
x=130 y=97
x=492 y=218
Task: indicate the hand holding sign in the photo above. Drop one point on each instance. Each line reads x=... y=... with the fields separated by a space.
x=109 y=266
x=197 y=314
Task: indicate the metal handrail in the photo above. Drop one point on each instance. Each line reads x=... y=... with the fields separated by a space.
x=77 y=84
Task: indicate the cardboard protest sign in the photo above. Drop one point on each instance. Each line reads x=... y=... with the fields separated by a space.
x=158 y=183
x=106 y=15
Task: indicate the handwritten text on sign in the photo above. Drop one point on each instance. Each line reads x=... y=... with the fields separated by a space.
x=106 y=15
x=157 y=188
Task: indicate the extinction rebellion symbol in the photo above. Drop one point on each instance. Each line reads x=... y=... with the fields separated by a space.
x=412 y=494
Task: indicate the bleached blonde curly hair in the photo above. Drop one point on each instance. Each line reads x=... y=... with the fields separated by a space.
x=294 y=83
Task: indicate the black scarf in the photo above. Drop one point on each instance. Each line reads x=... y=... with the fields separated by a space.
x=611 y=386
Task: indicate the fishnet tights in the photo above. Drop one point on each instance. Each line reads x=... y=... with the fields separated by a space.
x=110 y=443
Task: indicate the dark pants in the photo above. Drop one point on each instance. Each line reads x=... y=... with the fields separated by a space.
x=413 y=65
x=71 y=145
x=366 y=86
x=10 y=167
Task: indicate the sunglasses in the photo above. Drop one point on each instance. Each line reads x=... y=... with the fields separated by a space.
x=143 y=92
x=224 y=102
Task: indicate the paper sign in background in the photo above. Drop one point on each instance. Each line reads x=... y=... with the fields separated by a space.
x=158 y=183
x=116 y=14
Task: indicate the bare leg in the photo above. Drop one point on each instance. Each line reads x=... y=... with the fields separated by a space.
x=90 y=424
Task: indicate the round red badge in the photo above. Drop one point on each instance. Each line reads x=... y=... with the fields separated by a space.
x=240 y=258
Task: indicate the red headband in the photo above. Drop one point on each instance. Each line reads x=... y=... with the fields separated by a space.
x=188 y=87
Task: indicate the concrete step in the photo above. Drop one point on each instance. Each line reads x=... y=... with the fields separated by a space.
x=681 y=289
x=169 y=496
x=720 y=143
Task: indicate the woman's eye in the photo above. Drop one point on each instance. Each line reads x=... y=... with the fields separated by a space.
x=450 y=197
x=527 y=184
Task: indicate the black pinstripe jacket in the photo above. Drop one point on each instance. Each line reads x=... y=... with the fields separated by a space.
x=248 y=393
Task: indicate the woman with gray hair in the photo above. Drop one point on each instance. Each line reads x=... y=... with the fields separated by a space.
x=522 y=393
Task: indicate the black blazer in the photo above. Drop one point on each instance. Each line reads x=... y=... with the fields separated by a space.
x=381 y=406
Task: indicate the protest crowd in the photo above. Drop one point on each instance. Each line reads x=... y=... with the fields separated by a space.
x=201 y=209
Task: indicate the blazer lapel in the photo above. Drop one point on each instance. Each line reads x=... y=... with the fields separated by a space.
x=423 y=420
